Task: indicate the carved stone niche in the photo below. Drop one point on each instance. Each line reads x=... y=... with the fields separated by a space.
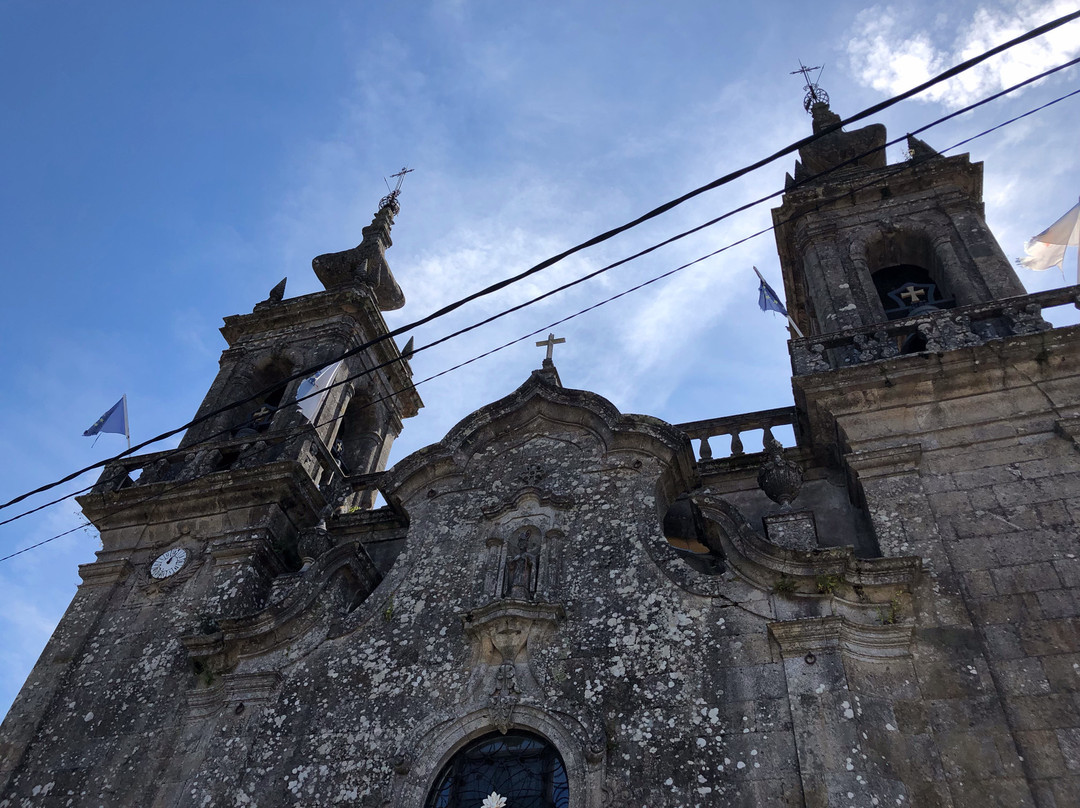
x=523 y=554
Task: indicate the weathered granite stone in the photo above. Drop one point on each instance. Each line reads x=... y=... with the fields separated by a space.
x=556 y=570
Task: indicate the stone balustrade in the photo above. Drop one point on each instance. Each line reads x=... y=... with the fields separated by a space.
x=933 y=331
x=182 y=465
x=733 y=426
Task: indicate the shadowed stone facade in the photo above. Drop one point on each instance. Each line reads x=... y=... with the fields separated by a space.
x=884 y=614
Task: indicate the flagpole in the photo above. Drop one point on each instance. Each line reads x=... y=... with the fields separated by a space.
x=127 y=423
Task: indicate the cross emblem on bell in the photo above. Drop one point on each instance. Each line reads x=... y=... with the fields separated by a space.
x=912 y=294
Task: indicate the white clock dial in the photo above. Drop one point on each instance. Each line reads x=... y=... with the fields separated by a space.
x=169 y=563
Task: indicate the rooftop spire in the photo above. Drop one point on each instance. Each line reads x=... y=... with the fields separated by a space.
x=365 y=264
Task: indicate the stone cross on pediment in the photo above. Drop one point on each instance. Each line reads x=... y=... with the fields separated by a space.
x=550 y=344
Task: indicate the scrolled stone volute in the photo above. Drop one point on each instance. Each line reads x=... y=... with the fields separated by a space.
x=780 y=479
x=365 y=264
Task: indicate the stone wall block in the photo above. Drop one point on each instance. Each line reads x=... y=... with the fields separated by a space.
x=1024 y=578
x=1042 y=753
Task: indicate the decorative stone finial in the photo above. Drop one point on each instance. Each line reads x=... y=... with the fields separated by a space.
x=275 y=297
x=779 y=478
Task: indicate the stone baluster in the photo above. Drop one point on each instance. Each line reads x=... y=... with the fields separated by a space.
x=705 y=451
x=736 y=444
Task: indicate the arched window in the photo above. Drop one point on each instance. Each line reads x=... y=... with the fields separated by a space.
x=516 y=770
x=360 y=441
x=907 y=275
x=256 y=416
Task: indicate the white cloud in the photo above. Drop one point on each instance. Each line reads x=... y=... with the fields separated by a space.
x=894 y=51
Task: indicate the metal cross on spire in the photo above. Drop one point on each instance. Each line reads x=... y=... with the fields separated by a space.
x=391 y=198
x=814 y=93
x=550 y=343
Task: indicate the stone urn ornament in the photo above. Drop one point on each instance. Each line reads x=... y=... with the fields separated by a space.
x=779 y=478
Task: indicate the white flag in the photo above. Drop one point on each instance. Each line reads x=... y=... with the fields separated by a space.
x=1048 y=248
x=312 y=391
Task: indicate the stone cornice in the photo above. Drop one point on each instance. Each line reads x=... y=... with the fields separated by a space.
x=282 y=481
x=799 y=638
x=105 y=573
x=885 y=462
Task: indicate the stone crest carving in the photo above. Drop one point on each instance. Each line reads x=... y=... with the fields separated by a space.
x=504 y=698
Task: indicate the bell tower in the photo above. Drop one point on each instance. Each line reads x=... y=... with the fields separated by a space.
x=358 y=420
x=862 y=242
x=222 y=526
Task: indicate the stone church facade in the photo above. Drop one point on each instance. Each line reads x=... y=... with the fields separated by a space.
x=576 y=607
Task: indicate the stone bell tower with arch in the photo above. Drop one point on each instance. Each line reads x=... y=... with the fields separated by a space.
x=861 y=241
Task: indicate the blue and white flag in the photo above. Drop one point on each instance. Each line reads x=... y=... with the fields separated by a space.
x=115 y=420
x=312 y=391
x=767 y=299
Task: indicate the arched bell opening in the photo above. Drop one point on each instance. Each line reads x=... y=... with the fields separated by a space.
x=907 y=275
x=518 y=768
x=358 y=445
x=272 y=377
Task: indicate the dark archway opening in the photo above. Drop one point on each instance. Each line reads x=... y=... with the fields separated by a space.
x=906 y=290
x=520 y=767
x=359 y=443
x=259 y=414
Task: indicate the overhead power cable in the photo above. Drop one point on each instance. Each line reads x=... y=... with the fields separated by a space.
x=491 y=289
x=873 y=182
x=446 y=310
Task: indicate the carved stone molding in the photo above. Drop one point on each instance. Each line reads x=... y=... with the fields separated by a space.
x=241 y=690
x=105 y=573
x=502 y=631
x=493 y=508
x=504 y=698
x=888 y=462
x=797 y=638
x=433 y=743
x=346 y=570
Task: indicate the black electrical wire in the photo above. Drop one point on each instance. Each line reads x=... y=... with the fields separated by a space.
x=872 y=110
x=875 y=181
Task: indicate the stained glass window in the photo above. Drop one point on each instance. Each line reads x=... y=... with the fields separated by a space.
x=523 y=769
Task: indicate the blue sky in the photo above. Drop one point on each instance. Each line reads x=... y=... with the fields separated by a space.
x=161 y=168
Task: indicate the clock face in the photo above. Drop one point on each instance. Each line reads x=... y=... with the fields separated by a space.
x=169 y=563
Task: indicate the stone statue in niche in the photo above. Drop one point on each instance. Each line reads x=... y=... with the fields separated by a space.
x=520 y=577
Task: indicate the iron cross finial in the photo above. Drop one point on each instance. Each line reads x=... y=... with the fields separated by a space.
x=550 y=344
x=391 y=198
x=814 y=93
